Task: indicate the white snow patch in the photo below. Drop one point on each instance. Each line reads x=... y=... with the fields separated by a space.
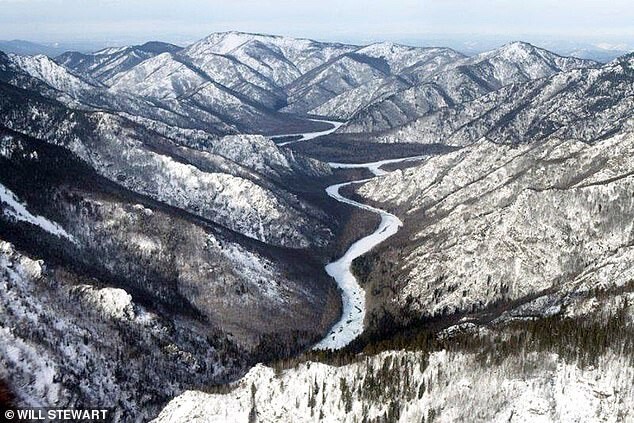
x=19 y=212
x=113 y=302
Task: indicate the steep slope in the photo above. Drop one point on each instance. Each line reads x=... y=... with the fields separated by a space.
x=321 y=84
x=171 y=77
x=122 y=243
x=213 y=86
x=106 y=64
x=493 y=224
x=404 y=63
x=126 y=275
x=538 y=203
x=412 y=386
x=44 y=68
x=461 y=82
x=237 y=78
x=82 y=92
x=345 y=105
x=510 y=285
x=147 y=163
x=222 y=70
x=586 y=104
x=281 y=59
x=326 y=87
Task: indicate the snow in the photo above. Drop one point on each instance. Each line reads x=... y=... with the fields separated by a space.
x=353 y=296
x=303 y=54
x=375 y=167
x=312 y=135
x=19 y=212
x=58 y=77
x=110 y=50
x=523 y=217
x=230 y=42
x=456 y=387
x=113 y=302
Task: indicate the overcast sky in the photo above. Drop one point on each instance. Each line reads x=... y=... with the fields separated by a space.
x=346 y=20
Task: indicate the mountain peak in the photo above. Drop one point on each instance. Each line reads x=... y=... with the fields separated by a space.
x=626 y=60
x=523 y=52
x=158 y=47
x=517 y=49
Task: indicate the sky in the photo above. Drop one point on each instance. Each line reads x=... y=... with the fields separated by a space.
x=609 y=22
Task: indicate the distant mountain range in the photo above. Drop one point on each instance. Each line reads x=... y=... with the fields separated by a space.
x=235 y=82
x=156 y=237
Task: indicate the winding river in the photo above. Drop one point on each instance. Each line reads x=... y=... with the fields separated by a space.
x=350 y=325
x=312 y=135
x=353 y=296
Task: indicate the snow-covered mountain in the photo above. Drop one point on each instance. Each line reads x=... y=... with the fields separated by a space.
x=527 y=203
x=150 y=164
x=460 y=82
x=83 y=92
x=166 y=246
x=155 y=242
x=354 y=70
x=241 y=78
x=584 y=104
x=239 y=82
x=511 y=278
x=244 y=79
x=105 y=64
x=281 y=59
x=58 y=77
x=133 y=277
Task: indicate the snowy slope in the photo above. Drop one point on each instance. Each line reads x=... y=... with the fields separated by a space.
x=584 y=103
x=82 y=92
x=12 y=208
x=193 y=298
x=56 y=76
x=446 y=387
x=104 y=65
x=493 y=223
x=404 y=59
x=303 y=54
x=350 y=102
x=351 y=80
x=461 y=81
x=149 y=164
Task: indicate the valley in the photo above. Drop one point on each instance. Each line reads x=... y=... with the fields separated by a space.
x=264 y=228
x=352 y=319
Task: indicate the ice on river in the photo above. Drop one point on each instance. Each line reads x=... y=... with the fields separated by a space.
x=312 y=135
x=353 y=296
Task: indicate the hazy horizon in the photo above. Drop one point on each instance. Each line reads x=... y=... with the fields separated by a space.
x=112 y=22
